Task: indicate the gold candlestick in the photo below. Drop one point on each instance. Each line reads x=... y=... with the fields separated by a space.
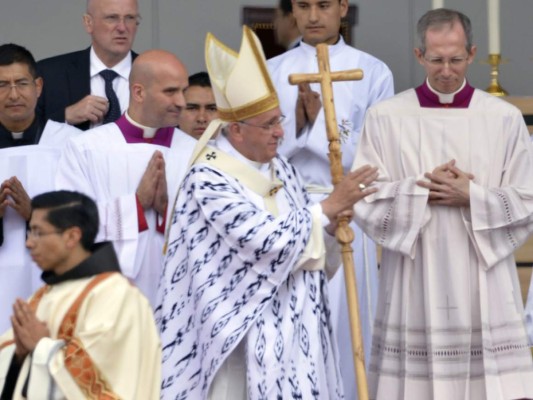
x=494 y=88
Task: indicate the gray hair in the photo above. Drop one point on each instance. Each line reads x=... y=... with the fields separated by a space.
x=440 y=18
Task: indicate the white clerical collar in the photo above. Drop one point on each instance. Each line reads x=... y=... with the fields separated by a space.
x=294 y=43
x=123 y=68
x=445 y=98
x=333 y=48
x=148 y=132
x=17 y=135
x=224 y=144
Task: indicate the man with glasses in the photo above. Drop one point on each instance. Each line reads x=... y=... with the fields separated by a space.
x=454 y=200
x=20 y=87
x=25 y=168
x=87 y=333
x=89 y=87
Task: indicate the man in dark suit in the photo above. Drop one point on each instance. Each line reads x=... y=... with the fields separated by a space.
x=77 y=91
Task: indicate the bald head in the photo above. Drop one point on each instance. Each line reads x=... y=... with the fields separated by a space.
x=112 y=25
x=151 y=63
x=157 y=81
x=94 y=6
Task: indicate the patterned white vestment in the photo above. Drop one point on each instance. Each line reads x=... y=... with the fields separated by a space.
x=230 y=278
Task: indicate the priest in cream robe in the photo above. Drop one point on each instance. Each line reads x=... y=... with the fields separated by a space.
x=243 y=309
x=131 y=167
x=306 y=144
x=455 y=200
x=88 y=333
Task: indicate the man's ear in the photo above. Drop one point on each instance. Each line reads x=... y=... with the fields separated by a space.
x=235 y=132
x=88 y=23
x=137 y=92
x=472 y=54
x=419 y=55
x=39 y=86
x=73 y=236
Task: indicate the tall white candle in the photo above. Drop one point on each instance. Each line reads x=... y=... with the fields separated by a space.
x=437 y=4
x=494 y=26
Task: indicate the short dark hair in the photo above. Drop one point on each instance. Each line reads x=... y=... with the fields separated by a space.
x=11 y=53
x=285 y=6
x=437 y=19
x=67 y=209
x=200 y=79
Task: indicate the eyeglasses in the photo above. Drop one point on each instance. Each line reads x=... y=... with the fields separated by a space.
x=268 y=127
x=22 y=86
x=115 y=19
x=441 y=61
x=36 y=234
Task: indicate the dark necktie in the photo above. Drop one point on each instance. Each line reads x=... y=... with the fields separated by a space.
x=113 y=113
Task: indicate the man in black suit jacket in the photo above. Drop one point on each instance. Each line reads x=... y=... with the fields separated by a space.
x=74 y=91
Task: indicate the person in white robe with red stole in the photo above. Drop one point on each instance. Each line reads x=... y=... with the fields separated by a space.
x=86 y=334
x=243 y=309
x=131 y=167
x=454 y=200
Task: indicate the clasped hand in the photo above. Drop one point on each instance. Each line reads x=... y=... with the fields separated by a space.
x=448 y=185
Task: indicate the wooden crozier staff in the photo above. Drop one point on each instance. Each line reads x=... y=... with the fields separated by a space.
x=344 y=233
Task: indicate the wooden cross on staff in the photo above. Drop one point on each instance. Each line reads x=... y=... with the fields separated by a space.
x=344 y=233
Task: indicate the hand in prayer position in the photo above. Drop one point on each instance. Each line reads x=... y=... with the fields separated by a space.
x=152 y=190
x=448 y=186
x=13 y=194
x=348 y=191
x=161 y=193
x=90 y=108
x=27 y=329
x=307 y=107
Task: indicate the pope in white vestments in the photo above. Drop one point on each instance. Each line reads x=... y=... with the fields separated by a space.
x=235 y=289
x=243 y=308
x=309 y=154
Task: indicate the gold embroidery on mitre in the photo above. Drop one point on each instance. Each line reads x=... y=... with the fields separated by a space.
x=220 y=72
x=249 y=110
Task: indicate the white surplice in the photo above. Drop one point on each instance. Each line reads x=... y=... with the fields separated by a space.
x=309 y=154
x=101 y=164
x=35 y=167
x=449 y=323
